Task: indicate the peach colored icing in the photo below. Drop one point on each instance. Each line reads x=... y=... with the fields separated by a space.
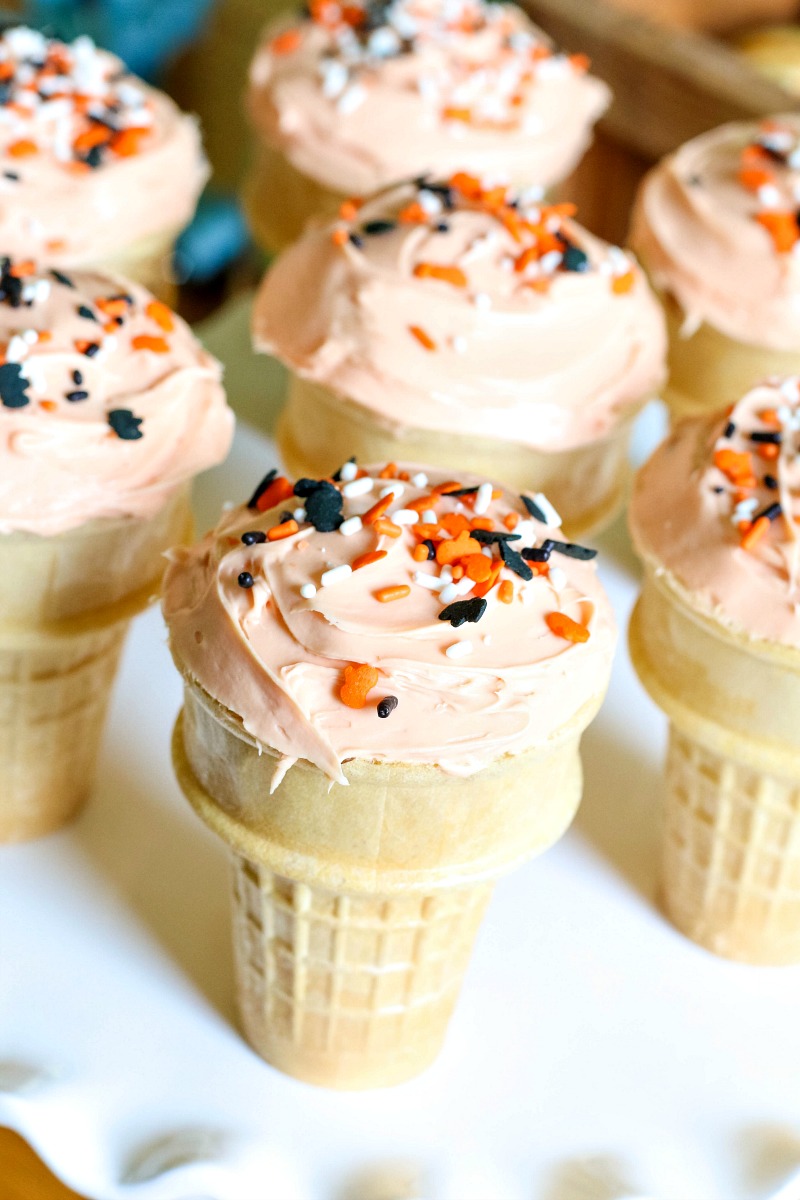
x=107 y=400
x=721 y=518
x=276 y=652
x=92 y=160
x=710 y=223
x=360 y=96
x=470 y=309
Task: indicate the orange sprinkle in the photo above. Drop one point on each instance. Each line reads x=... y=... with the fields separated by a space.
x=782 y=228
x=389 y=471
x=398 y=592
x=377 y=510
x=359 y=679
x=126 y=143
x=419 y=554
x=452 y=549
x=424 y=502
x=769 y=416
x=441 y=489
x=279 y=490
x=511 y=521
x=112 y=306
x=468 y=185
x=755 y=533
x=162 y=315
x=81 y=345
x=95 y=135
x=386 y=528
x=581 y=62
x=482 y=589
x=457 y=573
x=454 y=523
x=286 y=42
x=339 y=237
x=457 y=114
x=157 y=345
x=481 y=523
x=768 y=451
x=284 y=530
x=564 y=627
x=48 y=405
x=505 y=593
x=364 y=560
x=453 y=275
x=413 y=214
x=348 y=209
x=478 y=567
x=736 y=465
x=21 y=269
x=623 y=283
x=23 y=148
x=755 y=177
x=424 y=339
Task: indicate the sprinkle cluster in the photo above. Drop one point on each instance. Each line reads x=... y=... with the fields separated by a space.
x=68 y=100
x=770 y=168
x=485 y=89
x=759 y=482
x=23 y=287
x=457 y=551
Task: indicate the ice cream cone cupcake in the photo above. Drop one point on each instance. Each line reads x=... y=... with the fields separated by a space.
x=715 y=225
x=108 y=407
x=471 y=327
x=353 y=98
x=97 y=169
x=386 y=680
x=715 y=638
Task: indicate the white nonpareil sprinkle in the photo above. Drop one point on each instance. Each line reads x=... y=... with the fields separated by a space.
x=459 y=650
x=299 y=515
x=335 y=574
x=394 y=489
x=432 y=582
x=482 y=301
x=405 y=516
x=551 y=516
x=348 y=472
x=483 y=498
x=308 y=591
x=358 y=487
x=350 y=526
x=420 y=480
x=459 y=344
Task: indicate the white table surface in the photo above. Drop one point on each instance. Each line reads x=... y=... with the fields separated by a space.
x=595 y=1053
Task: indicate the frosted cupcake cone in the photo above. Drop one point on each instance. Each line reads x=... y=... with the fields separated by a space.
x=108 y=406
x=369 y=816
x=715 y=640
x=469 y=327
x=99 y=170
x=352 y=99
x=715 y=227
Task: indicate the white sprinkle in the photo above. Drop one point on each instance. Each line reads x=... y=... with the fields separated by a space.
x=350 y=526
x=335 y=574
x=420 y=480
x=394 y=489
x=482 y=301
x=308 y=591
x=29 y=336
x=459 y=650
x=453 y=590
x=299 y=515
x=16 y=349
x=483 y=498
x=487 y=639
x=405 y=516
x=551 y=261
x=351 y=99
x=429 y=202
x=744 y=510
x=358 y=487
x=551 y=516
x=429 y=517
x=459 y=344
x=557 y=577
x=334 y=79
x=432 y=582
x=348 y=472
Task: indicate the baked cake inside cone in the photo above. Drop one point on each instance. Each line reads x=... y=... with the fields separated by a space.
x=471 y=326
x=108 y=407
x=354 y=97
x=715 y=639
x=716 y=227
x=387 y=675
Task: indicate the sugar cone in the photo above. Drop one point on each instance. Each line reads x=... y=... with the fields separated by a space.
x=66 y=602
x=731 y=866
x=279 y=200
x=319 y=430
x=355 y=908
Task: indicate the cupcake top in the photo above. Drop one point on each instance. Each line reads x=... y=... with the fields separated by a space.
x=716 y=224
x=359 y=95
x=458 y=306
x=107 y=400
x=391 y=614
x=718 y=507
x=91 y=158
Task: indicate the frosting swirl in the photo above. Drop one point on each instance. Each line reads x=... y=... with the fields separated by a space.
x=362 y=94
x=107 y=400
x=92 y=159
x=447 y=607
x=716 y=225
x=463 y=306
x=718 y=505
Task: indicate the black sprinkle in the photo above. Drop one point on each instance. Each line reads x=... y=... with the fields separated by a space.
x=253 y=537
x=533 y=509
x=767 y=438
x=431 y=548
x=571 y=550
x=514 y=561
x=771 y=512
x=730 y=430
x=770 y=482
x=13 y=386
x=324 y=507
x=245 y=580
x=286 y=515
x=470 y=491
x=63 y=279
x=356 y=241
x=77 y=378
x=86 y=313
x=442 y=227
x=694 y=181
x=387 y=706
x=12 y=175
x=718 y=490
x=262 y=487
x=463 y=610
x=575 y=259
x=377 y=227
x=489 y=537
x=92 y=349
x=539 y=553
x=80 y=394
x=125 y=424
